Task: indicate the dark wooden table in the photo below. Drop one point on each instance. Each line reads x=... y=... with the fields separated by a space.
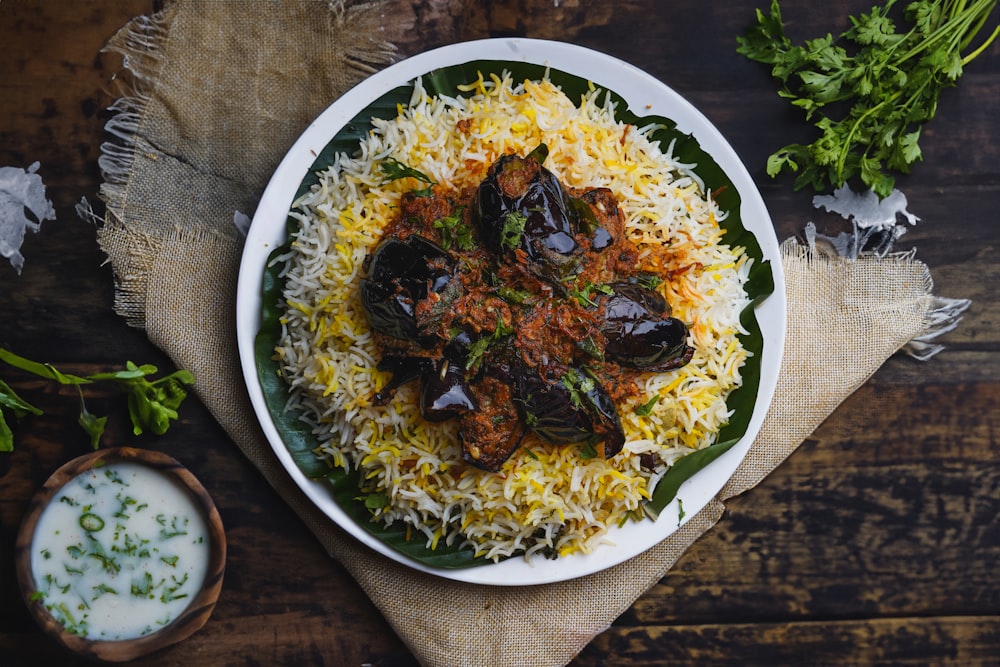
x=877 y=542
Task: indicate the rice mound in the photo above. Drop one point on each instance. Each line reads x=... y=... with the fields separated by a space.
x=546 y=499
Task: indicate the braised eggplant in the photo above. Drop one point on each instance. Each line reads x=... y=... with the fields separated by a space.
x=650 y=344
x=575 y=408
x=490 y=434
x=445 y=393
x=521 y=205
x=401 y=274
x=599 y=199
x=403 y=369
x=639 y=331
x=628 y=302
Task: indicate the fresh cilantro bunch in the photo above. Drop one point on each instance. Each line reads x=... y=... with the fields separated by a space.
x=152 y=404
x=870 y=90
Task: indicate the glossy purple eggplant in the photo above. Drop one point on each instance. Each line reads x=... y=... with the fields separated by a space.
x=400 y=274
x=402 y=369
x=445 y=392
x=573 y=409
x=522 y=205
x=639 y=331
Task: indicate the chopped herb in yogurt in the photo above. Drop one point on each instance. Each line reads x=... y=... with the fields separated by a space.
x=120 y=554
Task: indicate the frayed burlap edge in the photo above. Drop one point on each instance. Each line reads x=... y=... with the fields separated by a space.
x=140 y=43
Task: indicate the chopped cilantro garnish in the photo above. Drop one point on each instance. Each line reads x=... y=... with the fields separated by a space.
x=454 y=232
x=102 y=589
x=648 y=280
x=579 y=385
x=476 y=352
x=589 y=450
x=584 y=295
x=591 y=348
x=515 y=296
x=513 y=230
x=479 y=347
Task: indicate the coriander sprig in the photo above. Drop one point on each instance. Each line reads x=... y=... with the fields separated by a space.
x=869 y=91
x=152 y=404
x=394 y=170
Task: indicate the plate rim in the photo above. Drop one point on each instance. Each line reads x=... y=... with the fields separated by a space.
x=267 y=232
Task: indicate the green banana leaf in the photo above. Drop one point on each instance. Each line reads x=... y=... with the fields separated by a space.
x=345 y=486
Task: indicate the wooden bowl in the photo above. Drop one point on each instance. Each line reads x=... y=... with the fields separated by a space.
x=186 y=622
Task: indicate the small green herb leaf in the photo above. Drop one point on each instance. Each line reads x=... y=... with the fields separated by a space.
x=143 y=587
x=476 y=352
x=585 y=295
x=646 y=408
x=515 y=296
x=590 y=347
x=589 y=450
x=9 y=400
x=648 y=280
x=376 y=501
x=579 y=385
x=91 y=423
x=454 y=232
x=102 y=589
x=513 y=230
x=394 y=170
x=6 y=435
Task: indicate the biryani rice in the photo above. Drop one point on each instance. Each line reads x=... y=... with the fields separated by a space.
x=546 y=498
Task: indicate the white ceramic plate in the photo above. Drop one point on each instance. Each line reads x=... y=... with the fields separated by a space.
x=645 y=96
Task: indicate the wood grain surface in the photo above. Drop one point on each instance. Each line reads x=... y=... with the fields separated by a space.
x=876 y=542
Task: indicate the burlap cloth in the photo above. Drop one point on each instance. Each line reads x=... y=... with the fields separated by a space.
x=213 y=94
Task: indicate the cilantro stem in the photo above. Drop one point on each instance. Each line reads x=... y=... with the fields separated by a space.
x=982 y=47
x=845 y=148
x=951 y=29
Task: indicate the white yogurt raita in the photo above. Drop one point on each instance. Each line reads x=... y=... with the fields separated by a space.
x=120 y=551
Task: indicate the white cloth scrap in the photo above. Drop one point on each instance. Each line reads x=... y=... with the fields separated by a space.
x=21 y=192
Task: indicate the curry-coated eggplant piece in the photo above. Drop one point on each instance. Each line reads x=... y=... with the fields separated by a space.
x=400 y=274
x=521 y=205
x=445 y=392
x=491 y=433
x=574 y=408
x=640 y=332
x=586 y=206
x=402 y=369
